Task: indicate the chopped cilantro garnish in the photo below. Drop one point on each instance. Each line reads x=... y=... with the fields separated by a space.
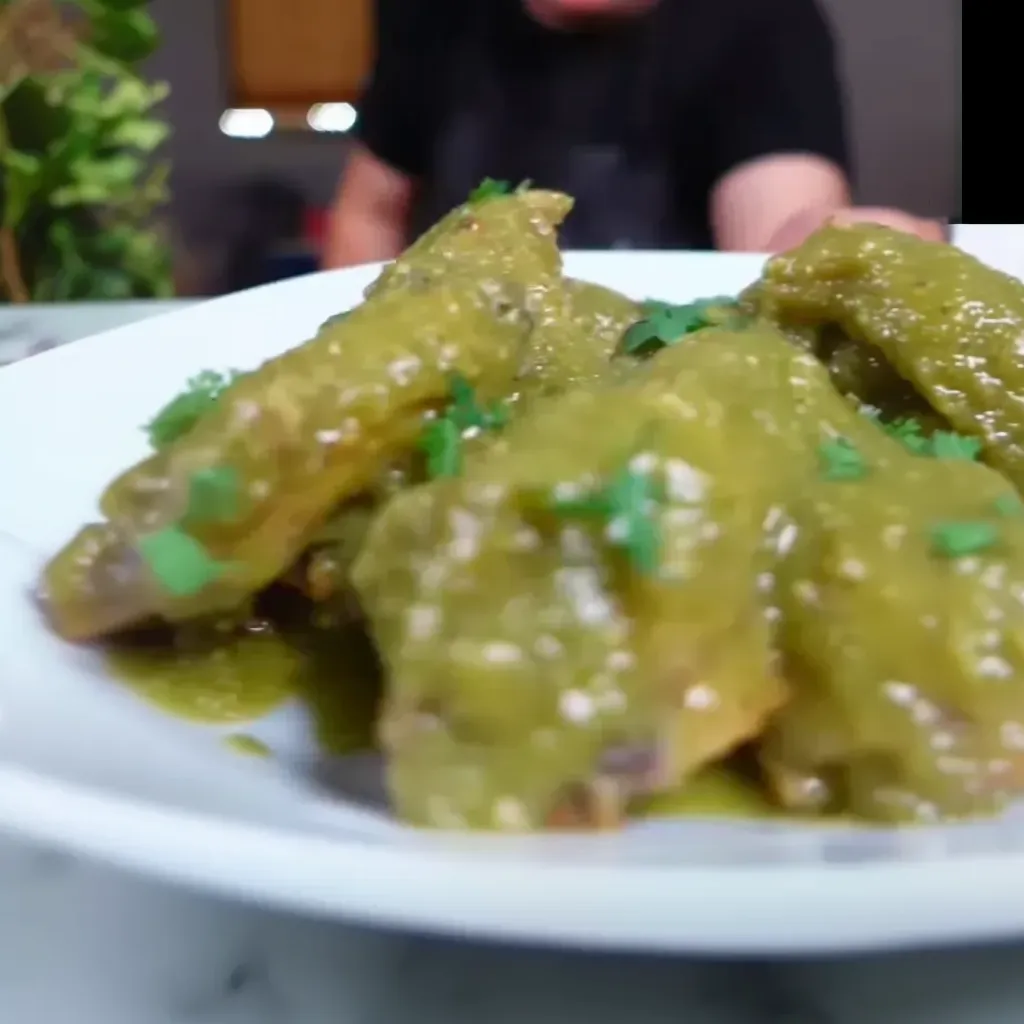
x=468 y=414
x=639 y=537
x=181 y=565
x=956 y=540
x=182 y=413
x=908 y=432
x=489 y=188
x=626 y=505
x=944 y=444
x=840 y=460
x=442 y=444
x=442 y=437
x=1008 y=505
x=214 y=495
x=179 y=562
x=665 y=324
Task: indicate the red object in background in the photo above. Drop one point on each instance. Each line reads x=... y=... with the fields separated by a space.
x=315 y=227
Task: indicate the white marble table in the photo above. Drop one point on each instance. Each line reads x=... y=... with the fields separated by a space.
x=83 y=944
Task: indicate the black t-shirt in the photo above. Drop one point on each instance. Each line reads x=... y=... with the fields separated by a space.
x=702 y=85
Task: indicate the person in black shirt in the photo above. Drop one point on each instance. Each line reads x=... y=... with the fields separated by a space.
x=673 y=123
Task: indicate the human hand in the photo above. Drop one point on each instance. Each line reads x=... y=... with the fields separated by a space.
x=797 y=228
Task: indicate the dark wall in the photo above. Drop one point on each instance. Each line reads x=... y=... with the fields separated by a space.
x=902 y=60
x=204 y=159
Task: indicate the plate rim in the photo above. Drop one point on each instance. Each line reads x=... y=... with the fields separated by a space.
x=844 y=908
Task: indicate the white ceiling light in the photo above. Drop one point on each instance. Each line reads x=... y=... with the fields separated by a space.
x=247 y=123
x=332 y=117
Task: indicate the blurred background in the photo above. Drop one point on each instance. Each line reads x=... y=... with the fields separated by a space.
x=262 y=93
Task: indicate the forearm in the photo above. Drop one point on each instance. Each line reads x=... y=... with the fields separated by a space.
x=354 y=237
x=757 y=201
x=775 y=203
x=369 y=218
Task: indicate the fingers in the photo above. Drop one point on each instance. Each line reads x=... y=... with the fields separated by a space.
x=796 y=230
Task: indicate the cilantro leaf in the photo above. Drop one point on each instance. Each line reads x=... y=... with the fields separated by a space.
x=1008 y=505
x=665 y=324
x=214 y=495
x=643 y=338
x=908 y=432
x=956 y=540
x=628 y=506
x=593 y=505
x=442 y=444
x=183 y=412
x=442 y=437
x=180 y=564
x=840 y=461
x=489 y=188
x=463 y=411
x=467 y=413
x=944 y=444
x=641 y=542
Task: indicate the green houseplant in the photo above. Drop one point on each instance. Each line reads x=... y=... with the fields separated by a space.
x=80 y=186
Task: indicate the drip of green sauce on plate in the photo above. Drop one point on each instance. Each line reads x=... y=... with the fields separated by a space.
x=228 y=679
x=341 y=688
x=250 y=746
x=240 y=680
x=713 y=793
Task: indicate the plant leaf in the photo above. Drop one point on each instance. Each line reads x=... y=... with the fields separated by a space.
x=116 y=5
x=21 y=181
x=143 y=134
x=131 y=96
x=99 y=181
x=128 y=36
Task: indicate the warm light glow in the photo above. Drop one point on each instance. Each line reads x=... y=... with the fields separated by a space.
x=332 y=117
x=247 y=123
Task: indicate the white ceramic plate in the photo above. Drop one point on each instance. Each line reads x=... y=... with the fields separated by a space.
x=86 y=766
